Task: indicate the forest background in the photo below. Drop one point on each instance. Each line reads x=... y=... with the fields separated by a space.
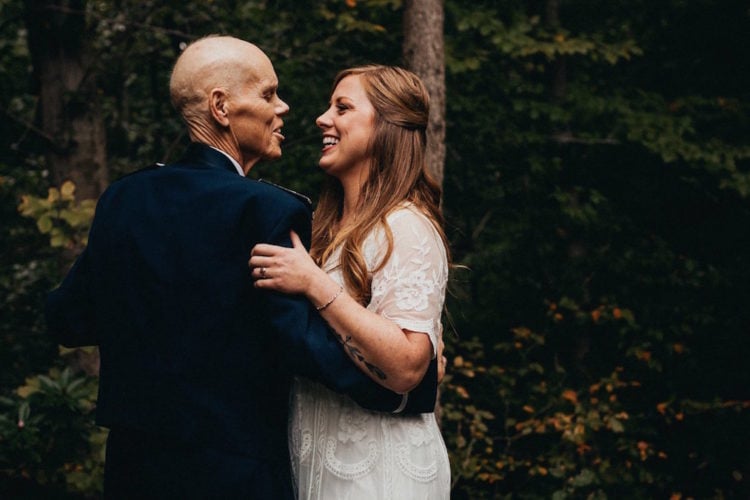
x=596 y=186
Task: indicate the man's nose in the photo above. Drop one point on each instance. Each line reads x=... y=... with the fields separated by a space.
x=282 y=108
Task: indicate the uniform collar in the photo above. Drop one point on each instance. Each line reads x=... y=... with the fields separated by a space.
x=203 y=154
x=234 y=162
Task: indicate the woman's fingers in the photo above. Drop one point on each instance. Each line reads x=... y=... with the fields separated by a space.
x=257 y=261
x=260 y=273
x=296 y=242
x=281 y=268
x=264 y=249
x=267 y=255
x=259 y=282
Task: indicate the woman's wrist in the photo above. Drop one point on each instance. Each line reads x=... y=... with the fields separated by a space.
x=335 y=296
x=322 y=289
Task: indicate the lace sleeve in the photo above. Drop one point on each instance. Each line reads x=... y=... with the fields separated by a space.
x=410 y=289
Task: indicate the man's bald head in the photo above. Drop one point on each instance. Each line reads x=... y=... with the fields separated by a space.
x=226 y=91
x=209 y=63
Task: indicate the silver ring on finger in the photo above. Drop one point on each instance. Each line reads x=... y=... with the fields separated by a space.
x=263 y=272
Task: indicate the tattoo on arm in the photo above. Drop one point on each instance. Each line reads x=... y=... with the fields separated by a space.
x=355 y=353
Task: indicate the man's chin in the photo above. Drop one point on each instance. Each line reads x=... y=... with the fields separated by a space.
x=272 y=155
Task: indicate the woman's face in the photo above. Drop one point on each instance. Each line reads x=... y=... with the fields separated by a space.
x=347 y=125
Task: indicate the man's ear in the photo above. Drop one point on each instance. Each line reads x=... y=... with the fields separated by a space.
x=218 y=103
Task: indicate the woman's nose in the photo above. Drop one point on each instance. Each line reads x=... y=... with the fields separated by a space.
x=323 y=121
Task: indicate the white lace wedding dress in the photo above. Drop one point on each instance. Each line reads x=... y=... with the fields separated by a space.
x=340 y=451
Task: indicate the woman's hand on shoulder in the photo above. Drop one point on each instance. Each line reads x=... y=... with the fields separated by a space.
x=283 y=269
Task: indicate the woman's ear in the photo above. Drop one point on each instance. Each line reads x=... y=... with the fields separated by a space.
x=218 y=103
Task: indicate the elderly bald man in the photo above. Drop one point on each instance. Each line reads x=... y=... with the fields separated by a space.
x=196 y=363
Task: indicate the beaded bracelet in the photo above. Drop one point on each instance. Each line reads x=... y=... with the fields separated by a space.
x=341 y=289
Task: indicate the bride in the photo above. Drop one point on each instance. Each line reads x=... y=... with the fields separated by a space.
x=382 y=252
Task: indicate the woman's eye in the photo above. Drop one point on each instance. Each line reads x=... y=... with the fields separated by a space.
x=341 y=108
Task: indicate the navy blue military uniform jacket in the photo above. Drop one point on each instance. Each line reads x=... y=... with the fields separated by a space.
x=190 y=350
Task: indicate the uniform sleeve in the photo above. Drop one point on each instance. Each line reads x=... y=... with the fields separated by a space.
x=410 y=289
x=68 y=308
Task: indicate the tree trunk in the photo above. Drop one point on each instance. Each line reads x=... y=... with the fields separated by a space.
x=70 y=115
x=559 y=81
x=424 y=54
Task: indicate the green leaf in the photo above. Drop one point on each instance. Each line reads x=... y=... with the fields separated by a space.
x=44 y=224
x=584 y=478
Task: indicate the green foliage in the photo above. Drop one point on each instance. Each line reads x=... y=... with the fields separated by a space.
x=602 y=297
x=553 y=432
x=59 y=215
x=48 y=434
x=27 y=272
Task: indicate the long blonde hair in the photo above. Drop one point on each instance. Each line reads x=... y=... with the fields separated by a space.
x=397 y=173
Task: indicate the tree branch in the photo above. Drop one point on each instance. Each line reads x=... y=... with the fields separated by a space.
x=30 y=127
x=569 y=138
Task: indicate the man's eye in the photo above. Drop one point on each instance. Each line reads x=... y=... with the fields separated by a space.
x=269 y=94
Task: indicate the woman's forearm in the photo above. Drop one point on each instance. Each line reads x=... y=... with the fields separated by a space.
x=395 y=358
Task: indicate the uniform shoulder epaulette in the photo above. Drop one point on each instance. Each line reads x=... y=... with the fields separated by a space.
x=153 y=166
x=297 y=195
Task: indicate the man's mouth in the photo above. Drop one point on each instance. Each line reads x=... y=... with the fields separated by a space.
x=277 y=132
